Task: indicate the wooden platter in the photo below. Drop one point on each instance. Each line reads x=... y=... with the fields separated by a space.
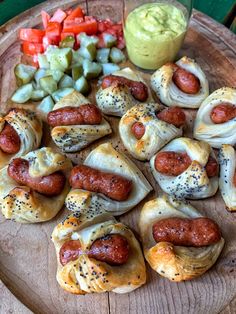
x=27 y=256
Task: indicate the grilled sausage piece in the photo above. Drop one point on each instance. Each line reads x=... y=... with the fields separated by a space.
x=112 y=249
x=186 y=81
x=85 y=114
x=9 y=140
x=112 y=185
x=138 y=129
x=171 y=163
x=223 y=113
x=186 y=232
x=172 y=115
x=138 y=89
x=50 y=185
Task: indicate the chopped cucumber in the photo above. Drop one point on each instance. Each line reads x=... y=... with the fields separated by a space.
x=89 y=52
x=22 y=94
x=24 y=73
x=38 y=94
x=66 y=81
x=76 y=57
x=116 y=55
x=91 y=69
x=48 y=84
x=60 y=93
x=82 y=85
x=39 y=74
x=56 y=74
x=109 y=40
x=46 y=106
x=77 y=72
x=67 y=42
x=109 y=68
x=103 y=55
x=43 y=61
x=60 y=59
x=85 y=40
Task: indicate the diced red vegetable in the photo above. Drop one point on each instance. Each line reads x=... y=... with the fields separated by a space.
x=58 y=16
x=53 y=30
x=89 y=27
x=77 y=12
x=31 y=49
x=101 y=43
x=32 y=35
x=45 y=18
x=121 y=43
x=48 y=41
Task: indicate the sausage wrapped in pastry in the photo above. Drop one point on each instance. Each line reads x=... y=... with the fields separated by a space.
x=20 y=133
x=178 y=242
x=107 y=180
x=181 y=84
x=146 y=128
x=186 y=168
x=121 y=91
x=76 y=123
x=33 y=188
x=97 y=254
x=227 y=183
x=215 y=122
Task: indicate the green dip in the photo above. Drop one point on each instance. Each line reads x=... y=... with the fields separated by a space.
x=154 y=33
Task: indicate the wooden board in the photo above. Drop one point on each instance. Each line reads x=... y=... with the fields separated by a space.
x=27 y=256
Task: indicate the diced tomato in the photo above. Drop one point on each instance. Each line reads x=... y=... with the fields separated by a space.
x=31 y=49
x=45 y=18
x=32 y=35
x=89 y=27
x=77 y=12
x=53 y=30
x=118 y=29
x=64 y=35
x=58 y=16
x=101 y=43
x=121 y=43
x=48 y=41
x=101 y=27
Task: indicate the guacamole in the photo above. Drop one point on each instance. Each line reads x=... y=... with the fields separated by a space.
x=154 y=33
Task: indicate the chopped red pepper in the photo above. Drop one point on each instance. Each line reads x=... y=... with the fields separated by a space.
x=58 y=16
x=45 y=18
x=77 y=12
x=89 y=27
x=31 y=49
x=32 y=35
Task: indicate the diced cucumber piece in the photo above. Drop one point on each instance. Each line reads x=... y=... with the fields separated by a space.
x=39 y=74
x=89 y=52
x=82 y=85
x=24 y=73
x=66 y=81
x=60 y=59
x=60 y=93
x=76 y=57
x=109 y=68
x=48 y=84
x=116 y=55
x=85 y=40
x=43 y=61
x=56 y=74
x=109 y=40
x=91 y=69
x=77 y=72
x=38 y=94
x=46 y=106
x=67 y=42
x=103 y=55
x=22 y=94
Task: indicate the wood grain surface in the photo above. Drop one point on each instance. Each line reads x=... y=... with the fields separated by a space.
x=27 y=257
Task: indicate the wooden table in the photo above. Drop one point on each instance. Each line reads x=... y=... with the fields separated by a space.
x=27 y=257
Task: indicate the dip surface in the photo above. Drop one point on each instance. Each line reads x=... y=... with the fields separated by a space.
x=154 y=33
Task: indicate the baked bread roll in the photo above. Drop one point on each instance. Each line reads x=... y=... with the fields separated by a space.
x=153 y=131
x=33 y=188
x=72 y=137
x=186 y=168
x=117 y=98
x=95 y=253
x=227 y=183
x=182 y=84
x=20 y=133
x=106 y=159
x=215 y=122
x=178 y=262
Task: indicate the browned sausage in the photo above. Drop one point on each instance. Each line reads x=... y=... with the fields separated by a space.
x=85 y=114
x=138 y=129
x=171 y=163
x=186 y=232
x=173 y=115
x=186 y=81
x=223 y=113
x=112 y=185
x=212 y=168
x=112 y=249
x=50 y=185
x=138 y=89
x=9 y=140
